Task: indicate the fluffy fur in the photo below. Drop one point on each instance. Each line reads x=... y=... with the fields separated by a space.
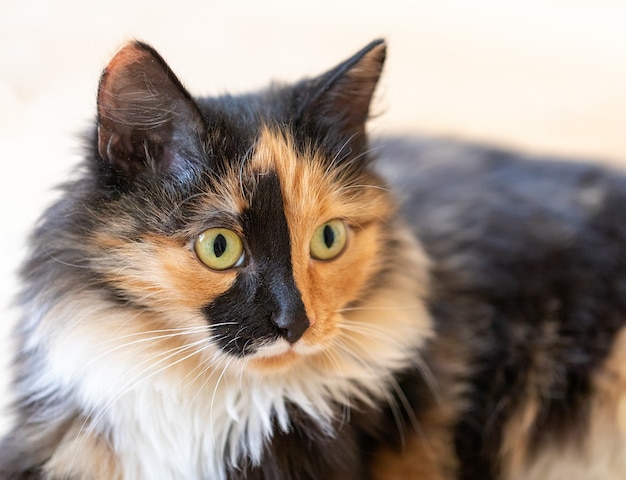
x=471 y=328
x=529 y=298
x=138 y=361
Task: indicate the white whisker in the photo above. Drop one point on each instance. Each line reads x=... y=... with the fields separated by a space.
x=389 y=399
x=132 y=382
x=376 y=309
x=215 y=389
x=416 y=360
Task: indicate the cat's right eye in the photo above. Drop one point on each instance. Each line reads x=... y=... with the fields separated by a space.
x=219 y=249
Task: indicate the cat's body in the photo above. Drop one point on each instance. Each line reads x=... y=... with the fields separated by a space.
x=528 y=294
x=227 y=291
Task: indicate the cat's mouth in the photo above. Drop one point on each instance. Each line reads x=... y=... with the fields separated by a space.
x=277 y=355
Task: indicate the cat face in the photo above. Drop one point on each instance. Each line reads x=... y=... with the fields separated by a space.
x=256 y=232
x=307 y=243
x=218 y=269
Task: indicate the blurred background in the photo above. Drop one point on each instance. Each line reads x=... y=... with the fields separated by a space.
x=540 y=76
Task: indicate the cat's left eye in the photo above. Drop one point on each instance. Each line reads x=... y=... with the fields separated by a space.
x=329 y=240
x=219 y=249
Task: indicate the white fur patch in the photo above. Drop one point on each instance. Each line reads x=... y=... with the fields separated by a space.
x=190 y=411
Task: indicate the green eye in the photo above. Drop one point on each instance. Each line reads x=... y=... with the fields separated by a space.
x=219 y=248
x=328 y=240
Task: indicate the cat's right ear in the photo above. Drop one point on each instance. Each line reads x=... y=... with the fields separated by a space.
x=147 y=122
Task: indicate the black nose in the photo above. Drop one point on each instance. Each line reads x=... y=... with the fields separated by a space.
x=287 y=309
x=291 y=321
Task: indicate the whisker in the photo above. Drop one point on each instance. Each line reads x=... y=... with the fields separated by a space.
x=361 y=186
x=147 y=341
x=356 y=158
x=336 y=159
x=377 y=309
x=153 y=361
x=67 y=264
x=389 y=399
x=131 y=383
x=205 y=367
x=330 y=357
x=189 y=198
x=415 y=360
x=244 y=159
x=215 y=389
x=166 y=332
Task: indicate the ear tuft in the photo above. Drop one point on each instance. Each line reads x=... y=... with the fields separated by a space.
x=146 y=119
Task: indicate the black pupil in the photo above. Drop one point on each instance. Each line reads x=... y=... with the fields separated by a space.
x=219 y=245
x=329 y=236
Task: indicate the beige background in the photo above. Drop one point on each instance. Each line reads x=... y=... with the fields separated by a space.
x=545 y=76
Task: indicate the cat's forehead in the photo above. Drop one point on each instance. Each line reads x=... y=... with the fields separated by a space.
x=310 y=187
x=274 y=152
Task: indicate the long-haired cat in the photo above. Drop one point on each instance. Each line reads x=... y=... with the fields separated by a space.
x=229 y=289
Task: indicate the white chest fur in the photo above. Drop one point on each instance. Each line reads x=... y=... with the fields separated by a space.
x=167 y=416
x=173 y=426
x=192 y=431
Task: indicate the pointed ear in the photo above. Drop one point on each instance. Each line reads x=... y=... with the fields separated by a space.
x=147 y=122
x=341 y=97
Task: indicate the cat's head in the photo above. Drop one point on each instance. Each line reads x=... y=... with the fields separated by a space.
x=254 y=225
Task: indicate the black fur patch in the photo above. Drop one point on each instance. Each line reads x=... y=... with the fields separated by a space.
x=528 y=272
x=264 y=302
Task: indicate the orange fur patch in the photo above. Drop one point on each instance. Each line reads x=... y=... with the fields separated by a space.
x=163 y=272
x=313 y=195
x=429 y=452
x=421 y=458
x=517 y=432
x=81 y=454
x=599 y=453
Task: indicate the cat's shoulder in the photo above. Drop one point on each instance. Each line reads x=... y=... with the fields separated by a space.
x=496 y=214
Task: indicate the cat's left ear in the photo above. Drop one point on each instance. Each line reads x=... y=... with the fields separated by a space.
x=341 y=98
x=147 y=122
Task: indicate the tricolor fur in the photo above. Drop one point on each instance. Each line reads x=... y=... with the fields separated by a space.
x=136 y=360
x=476 y=332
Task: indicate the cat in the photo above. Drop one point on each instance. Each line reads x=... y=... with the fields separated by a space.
x=249 y=287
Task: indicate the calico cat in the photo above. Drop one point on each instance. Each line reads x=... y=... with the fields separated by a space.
x=232 y=288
